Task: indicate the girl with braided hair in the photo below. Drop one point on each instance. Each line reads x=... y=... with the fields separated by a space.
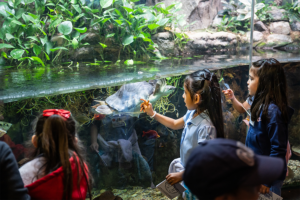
x=203 y=120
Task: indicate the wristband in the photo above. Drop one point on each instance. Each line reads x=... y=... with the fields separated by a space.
x=153 y=115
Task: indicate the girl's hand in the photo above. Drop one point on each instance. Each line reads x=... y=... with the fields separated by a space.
x=174 y=178
x=228 y=94
x=146 y=106
x=264 y=189
x=94 y=146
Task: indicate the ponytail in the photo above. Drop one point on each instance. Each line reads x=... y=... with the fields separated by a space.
x=55 y=146
x=206 y=84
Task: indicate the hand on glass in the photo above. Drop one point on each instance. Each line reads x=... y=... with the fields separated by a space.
x=146 y=107
x=228 y=94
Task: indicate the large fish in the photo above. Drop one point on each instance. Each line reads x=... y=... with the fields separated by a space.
x=127 y=99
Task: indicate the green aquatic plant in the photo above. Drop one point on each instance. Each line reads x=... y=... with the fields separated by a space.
x=38 y=31
x=78 y=103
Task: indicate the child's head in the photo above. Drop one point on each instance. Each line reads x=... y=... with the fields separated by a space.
x=267 y=82
x=55 y=140
x=202 y=92
x=222 y=169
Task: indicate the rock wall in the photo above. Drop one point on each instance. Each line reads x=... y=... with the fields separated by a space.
x=201 y=12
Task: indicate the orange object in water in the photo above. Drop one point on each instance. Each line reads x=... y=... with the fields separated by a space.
x=151 y=134
x=99 y=116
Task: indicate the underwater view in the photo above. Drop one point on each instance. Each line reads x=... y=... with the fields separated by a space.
x=98 y=58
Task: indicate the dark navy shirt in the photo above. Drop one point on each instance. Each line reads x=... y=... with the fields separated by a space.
x=269 y=138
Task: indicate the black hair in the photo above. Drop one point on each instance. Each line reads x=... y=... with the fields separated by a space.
x=272 y=87
x=205 y=83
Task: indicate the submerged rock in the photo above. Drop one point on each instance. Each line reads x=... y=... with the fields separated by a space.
x=293 y=179
x=280 y=28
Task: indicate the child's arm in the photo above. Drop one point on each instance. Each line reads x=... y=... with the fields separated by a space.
x=235 y=103
x=94 y=146
x=174 y=124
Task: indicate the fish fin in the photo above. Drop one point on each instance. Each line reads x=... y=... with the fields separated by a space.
x=158 y=136
x=143 y=133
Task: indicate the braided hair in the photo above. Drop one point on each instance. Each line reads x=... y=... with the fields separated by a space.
x=205 y=83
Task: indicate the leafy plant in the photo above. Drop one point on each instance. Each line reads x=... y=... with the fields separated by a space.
x=245 y=13
x=38 y=30
x=263 y=14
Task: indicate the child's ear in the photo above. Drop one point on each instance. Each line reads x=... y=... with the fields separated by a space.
x=197 y=98
x=34 y=141
x=76 y=140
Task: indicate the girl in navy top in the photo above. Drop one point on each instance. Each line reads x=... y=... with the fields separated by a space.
x=270 y=114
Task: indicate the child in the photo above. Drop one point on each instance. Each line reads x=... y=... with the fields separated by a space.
x=270 y=114
x=224 y=169
x=203 y=120
x=58 y=170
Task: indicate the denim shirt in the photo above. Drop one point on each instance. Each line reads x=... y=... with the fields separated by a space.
x=196 y=130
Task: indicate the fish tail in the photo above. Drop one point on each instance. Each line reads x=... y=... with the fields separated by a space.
x=143 y=133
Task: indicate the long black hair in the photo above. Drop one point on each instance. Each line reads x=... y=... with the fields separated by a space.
x=205 y=83
x=272 y=87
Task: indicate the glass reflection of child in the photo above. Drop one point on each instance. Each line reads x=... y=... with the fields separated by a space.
x=270 y=114
x=203 y=120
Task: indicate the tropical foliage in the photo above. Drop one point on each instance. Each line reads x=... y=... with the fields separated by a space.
x=29 y=25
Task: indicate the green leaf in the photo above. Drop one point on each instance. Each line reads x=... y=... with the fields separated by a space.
x=9 y=36
x=129 y=62
x=105 y=3
x=118 y=21
x=129 y=10
x=38 y=60
x=28 y=1
x=119 y=13
x=74 y=1
x=153 y=26
x=34 y=38
x=59 y=48
x=81 y=30
x=7 y=46
x=103 y=45
x=4 y=8
x=162 y=22
x=65 y=27
x=77 y=8
x=47 y=57
x=17 y=53
x=44 y=40
x=127 y=40
x=33 y=16
x=74 y=43
x=109 y=35
x=37 y=50
x=20 y=12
